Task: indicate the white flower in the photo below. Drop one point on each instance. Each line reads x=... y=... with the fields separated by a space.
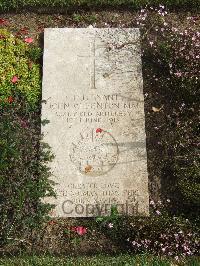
x=152 y=202
x=110 y=225
x=151 y=43
x=158 y=212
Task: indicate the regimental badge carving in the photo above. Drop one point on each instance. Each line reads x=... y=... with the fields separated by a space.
x=94 y=152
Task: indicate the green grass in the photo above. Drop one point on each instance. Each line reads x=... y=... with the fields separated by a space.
x=126 y=260
x=6 y=5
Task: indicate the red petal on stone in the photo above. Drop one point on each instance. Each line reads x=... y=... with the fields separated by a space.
x=99 y=130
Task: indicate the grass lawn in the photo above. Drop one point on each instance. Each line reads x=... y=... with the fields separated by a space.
x=126 y=260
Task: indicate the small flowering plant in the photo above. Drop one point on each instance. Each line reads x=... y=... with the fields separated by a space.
x=14 y=79
x=6 y=100
x=171 y=64
x=160 y=207
x=110 y=220
x=80 y=230
x=24 y=175
x=75 y=234
x=163 y=234
x=28 y=40
x=165 y=237
x=23 y=81
x=159 y=234
x=173 y=49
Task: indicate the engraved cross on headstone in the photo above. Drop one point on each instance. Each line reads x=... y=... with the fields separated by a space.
x=92 y=57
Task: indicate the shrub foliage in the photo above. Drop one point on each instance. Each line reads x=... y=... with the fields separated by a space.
x=23 y=170
x=20 y=77
x=71 y=4
x=171 y=63
x=159 y=234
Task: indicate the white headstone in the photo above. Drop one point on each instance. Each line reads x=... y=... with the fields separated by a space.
x=92 y=85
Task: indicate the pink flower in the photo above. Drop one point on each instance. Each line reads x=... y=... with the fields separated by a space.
x=28 y=40
x=176 y=236
x=3 y=21
x=14 y=79
x=158 y=212
x=178 y=74
x=10 y=99
x=24 y=124
x=174 y=29
x=52 y=222
x=80 y=230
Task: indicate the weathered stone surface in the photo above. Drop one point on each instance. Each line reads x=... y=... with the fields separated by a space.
x=92 y=84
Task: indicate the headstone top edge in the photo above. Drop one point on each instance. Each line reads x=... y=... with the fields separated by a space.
x=87 y=28
x=49 y=31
